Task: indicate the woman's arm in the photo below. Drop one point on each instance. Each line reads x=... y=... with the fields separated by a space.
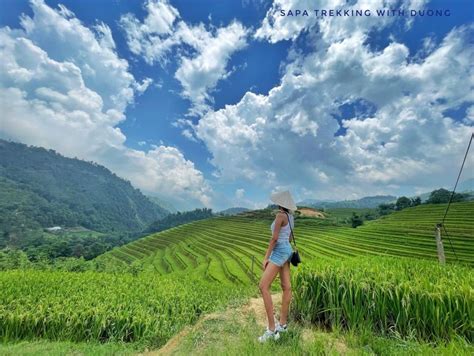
x=274 y=239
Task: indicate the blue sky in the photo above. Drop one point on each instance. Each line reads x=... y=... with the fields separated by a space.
x=218 y=104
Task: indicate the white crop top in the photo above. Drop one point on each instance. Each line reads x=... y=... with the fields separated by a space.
x=285 y=231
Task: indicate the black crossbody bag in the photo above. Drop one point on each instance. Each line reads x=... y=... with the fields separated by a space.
x=295 y=257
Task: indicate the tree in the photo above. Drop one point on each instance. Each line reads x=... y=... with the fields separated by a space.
x=442 y=195
x=78 y=250
x=96 y=249
x=14 y=259
x=370 y=216
x=402 y=203
x=356 y=220
x=416 y=201
x=385 y=209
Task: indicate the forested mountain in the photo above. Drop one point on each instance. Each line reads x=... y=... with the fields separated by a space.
x=366 y=202
x=40 y=188
x=233 y=211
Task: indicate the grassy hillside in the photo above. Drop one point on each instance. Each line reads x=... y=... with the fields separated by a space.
x=228 y=245
x=197 y=268
x=40 y=188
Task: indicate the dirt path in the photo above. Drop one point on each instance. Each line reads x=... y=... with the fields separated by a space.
x=173 y=343
x=254 y=306
x=253 y=310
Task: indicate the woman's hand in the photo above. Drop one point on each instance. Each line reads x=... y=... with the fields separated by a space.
x=264 y=264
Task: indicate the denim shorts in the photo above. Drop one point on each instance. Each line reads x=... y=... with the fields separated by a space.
x=281 y=253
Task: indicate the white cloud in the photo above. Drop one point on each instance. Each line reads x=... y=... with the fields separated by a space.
x=62 y=86
x=153 y=37
x=67 y=41
x=189 y=135
x=239 y=193
x=201 y=67
x=200 y=74
x=275 y=27
x=165 y=170
x=287 y=137
x=469 y=119
x=140 y=88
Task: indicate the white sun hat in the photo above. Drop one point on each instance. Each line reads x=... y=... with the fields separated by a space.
x=284 y=199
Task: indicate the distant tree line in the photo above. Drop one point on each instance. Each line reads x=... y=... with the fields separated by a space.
x=18 y=259
x=179 y=218
x=39 y=245
x=439 y=196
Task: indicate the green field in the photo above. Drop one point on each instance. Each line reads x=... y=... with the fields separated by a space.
x=92 y=306
x=382 y=277
x=228 y=244
x=388 y=295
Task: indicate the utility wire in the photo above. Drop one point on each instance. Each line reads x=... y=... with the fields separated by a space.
x=452 y=194
x=450 y=243
x=457 y=180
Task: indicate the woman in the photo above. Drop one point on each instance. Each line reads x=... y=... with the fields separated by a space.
x=277 y=260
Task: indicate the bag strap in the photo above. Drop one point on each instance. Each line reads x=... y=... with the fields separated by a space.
x=289 y=223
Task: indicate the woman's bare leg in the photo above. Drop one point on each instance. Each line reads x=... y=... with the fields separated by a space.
x=286 y=288
x=267 y=278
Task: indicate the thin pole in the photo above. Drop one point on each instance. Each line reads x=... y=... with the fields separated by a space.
x=439 y=245
x=253 y=258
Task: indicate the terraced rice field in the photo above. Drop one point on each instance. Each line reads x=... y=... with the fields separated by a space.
x=392 y=296
x=232 y=247
x=93 y=306
x=183 y=264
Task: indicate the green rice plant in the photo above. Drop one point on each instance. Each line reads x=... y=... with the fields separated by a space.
x=104 y=307
x=388 y=295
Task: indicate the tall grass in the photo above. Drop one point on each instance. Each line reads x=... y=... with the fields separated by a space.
x=103 y=307
x=401 y=296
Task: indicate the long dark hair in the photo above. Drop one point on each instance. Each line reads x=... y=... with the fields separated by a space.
x=284 y=209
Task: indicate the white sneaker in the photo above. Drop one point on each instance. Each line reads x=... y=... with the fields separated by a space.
x=281 y=328
x=269 y=335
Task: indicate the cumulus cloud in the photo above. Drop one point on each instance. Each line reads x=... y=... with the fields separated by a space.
x=288 y=137
x=63 y=86
x=469 y=115
x=143 y=86
x=201 y=67
x=163 y=170
x=275 y=27
x=152 y=38
x=200 y=74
